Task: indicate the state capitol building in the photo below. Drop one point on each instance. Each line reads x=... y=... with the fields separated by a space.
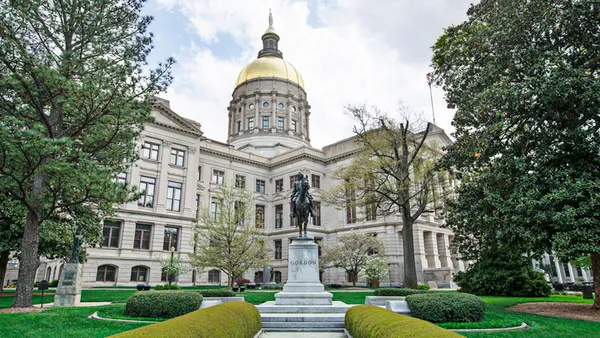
x=268 y=142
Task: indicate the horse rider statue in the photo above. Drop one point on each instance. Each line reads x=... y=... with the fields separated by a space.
x=296 y=192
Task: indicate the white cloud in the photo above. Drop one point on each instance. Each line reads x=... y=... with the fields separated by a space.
x=359 y=53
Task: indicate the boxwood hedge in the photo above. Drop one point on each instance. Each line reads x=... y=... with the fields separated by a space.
x=443 y=307
x=367 y=321
x=228 y=320
x=162 y=304
x=217 y=293
x=400 y=292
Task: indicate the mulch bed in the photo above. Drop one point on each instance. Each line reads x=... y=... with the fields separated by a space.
x=22 y=309
x=561 y=310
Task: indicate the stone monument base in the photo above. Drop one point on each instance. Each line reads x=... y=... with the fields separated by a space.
x=68 y=292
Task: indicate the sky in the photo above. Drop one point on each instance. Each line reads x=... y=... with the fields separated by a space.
x=349 y=52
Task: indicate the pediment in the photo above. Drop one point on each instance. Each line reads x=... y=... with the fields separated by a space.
x=167 y=118
x=199 y=186
x=261 y=198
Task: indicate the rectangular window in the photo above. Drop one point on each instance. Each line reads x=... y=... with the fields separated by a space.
x=122 y=178
x=260 y=186
x=147 y=185
x=294 y=126
x=177 y=157
x=142 y=236
x=292 y=219
x=316 y=181
x=279 y=216
x=279 y=185
x=239 y=208
x=350 y=206
x=251 y=123
x=199 y=173
x=215 y=209
x=280 y=123
x=240 y=181
x=239 y=126
x=260 y=217
x=319 y=242
x=217 y=177
x=317 y=219
x=278 y=248
x=171 y=237
x=265 y=122
x=292 y=181
x=173 y=196
x=150 y=151
x=371 y=211
x=111 y=232
x=197 y=204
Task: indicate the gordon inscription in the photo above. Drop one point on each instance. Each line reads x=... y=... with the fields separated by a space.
x=303 y=262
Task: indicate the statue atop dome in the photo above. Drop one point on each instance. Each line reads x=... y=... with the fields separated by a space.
x=270 y=40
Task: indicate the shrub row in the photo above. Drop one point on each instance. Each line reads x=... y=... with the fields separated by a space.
x=163 y=304
x=367 y=321
x=443 y=307
x=228 y=320
x=399 y=292
x=217 y=293
x=166 y=286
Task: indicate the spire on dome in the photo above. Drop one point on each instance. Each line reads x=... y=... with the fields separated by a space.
x=270 y=39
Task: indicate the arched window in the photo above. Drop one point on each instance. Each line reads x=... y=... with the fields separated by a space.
x=214 y=276
x=277 y=277
x=139 y=274
x=48 y=274
x=106 y=273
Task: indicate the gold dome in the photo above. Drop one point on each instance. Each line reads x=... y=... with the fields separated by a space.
x=270 y=67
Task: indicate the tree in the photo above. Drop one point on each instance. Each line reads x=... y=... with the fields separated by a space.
x=75 y=96
x=226 y=237
x=172 y=266
x=524 y=77
x=376 y=268
x=351 y=253
x=393 y=172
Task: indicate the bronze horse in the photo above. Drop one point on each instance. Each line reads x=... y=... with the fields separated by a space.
x=302 y=209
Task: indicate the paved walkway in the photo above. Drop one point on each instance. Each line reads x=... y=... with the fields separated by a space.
x=303 y=335
x=80 y=304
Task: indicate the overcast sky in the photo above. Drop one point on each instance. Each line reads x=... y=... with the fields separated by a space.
x=347 y=51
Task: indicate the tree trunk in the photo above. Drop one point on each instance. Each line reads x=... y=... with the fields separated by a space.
x=29 y=261
x=596 y=273
x=354 y=277
x=3 y=265
x=410 y=269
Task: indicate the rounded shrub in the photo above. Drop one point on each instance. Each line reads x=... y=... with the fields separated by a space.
x=399 y=292
x=163 y=304
x=443 y=307
x=367 y=321
x=228 y=320
x=217 y=293
x=53 y=283
x=424 y=287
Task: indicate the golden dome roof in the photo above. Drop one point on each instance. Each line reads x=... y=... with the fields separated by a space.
x=270 y=67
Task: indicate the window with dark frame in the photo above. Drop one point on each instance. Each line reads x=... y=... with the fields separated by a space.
x=215 y=208
x=260 y=217
x=199 y=173
x=260 y=186
x=251 y=123
x=317 y=219
x=294 y=126
x=277 y=277
x=239 y=126
x=265 y=122
x=106 y=273
x=316 y=181
x=279 y=185
x=278 y=248
x=147 y=185
x=239 y=209
x=240 y=181
x=111 y=232
x=174 y=196
x=217 y=177
x=139 y=274
x=150 y=151
x=350 y=206
x=214 y=276
x=371 y=211
x=280 y=122
x=171 y=238
x=278 y=216
x=177 y=157
x=292 y=181
x=142 y=236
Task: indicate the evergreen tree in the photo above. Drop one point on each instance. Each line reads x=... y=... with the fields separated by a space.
x=74 y=96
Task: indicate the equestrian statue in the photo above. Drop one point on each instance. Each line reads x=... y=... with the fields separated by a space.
x=302 y=205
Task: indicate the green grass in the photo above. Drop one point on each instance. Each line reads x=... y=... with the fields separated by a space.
x=7 y=301
x=256 y=298
x=118 y=312
x=115 y=296
x=351 y=297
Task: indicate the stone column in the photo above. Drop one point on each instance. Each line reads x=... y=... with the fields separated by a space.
x=300 y=123
x=307 y=123
x=257 y=123
x=420 y=261
x=431 y=250
x=571 y=272
x=444 y=250
x=273 y=123
x=243 y=117
x=160 y=189
x=558 y=270
x=127 y=235
x=289 y=117
x=158 y=233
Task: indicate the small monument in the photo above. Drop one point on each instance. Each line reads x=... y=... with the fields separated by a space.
x=303 y=286
x=68 y=292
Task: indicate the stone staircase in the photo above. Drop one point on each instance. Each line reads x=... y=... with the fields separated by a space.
x=303 y=318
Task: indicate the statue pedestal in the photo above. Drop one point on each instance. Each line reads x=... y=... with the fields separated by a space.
x=303 y=286
x=68 y=292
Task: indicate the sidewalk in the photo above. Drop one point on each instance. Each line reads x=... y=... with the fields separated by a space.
x=48 y=305
x=303 y=335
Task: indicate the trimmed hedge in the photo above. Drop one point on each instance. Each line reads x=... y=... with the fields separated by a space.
x=217 y=293
x=443 y=307
x=367 y=321
x=162 y=304
x=227 y=320
x=398 y=292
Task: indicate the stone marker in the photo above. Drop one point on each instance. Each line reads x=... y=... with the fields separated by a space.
x=68 y=292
